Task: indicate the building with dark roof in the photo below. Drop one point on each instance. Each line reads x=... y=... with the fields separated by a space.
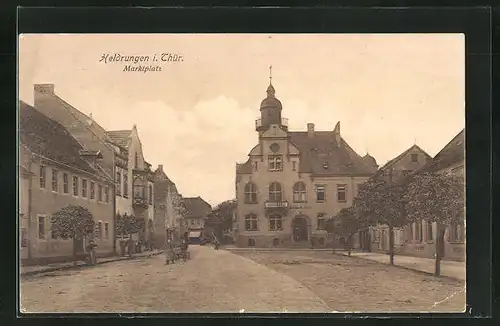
x=122 y=153
x=168 y=208
x=196 y=210
x=420 y=236
x=294 y=180
x=56 y=171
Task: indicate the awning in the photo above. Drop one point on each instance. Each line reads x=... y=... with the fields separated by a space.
x=194 y=234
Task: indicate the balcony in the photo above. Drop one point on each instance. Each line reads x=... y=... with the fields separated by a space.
x=258 y=123
x=278 y=207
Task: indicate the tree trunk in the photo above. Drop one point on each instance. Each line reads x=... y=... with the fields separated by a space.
x=439 y=243
x=349 y=238
x=74 y=251
x=391 y=244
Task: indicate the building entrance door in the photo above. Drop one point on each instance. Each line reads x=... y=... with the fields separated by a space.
x=300 y=229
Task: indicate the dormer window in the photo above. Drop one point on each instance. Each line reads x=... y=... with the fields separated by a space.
x=325 y=165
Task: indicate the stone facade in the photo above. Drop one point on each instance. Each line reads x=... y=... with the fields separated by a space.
x=293 y=182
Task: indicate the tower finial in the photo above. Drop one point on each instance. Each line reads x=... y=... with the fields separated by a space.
x=270 y=74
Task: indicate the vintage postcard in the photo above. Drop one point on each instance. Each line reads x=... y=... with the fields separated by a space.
x=206 y=173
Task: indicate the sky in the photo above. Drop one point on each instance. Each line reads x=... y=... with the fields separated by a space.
x=196 y=116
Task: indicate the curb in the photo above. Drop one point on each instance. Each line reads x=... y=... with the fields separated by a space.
x=81 y=265
x=453 y=278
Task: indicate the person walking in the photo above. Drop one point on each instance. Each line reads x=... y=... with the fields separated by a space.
x=91 y=251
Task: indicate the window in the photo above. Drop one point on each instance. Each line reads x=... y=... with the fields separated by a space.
x=125 y=185
x=251 y=222
x=275 y=194
x=150 y=195
x=320 y=193
x=321 y=222
x=299 y=192
x=414 y=158
x=456 y=233
x=118 y=183
x=54 y=180
x=99 y=192
x=24 y=238
x=75 y=186
x=65 y=183
x=275 y=163
x=293 y=165
x=250 y=193
x=341 y=193
x=418 y=231
x=256 y=166
x=429 y=231
x=106 y=230
x=42 y=177
x=98 y=230
x=106 y=194
x=251 y=242
x=84 y=188
x=275 y=223
x=92 y=190
x=53 y=230
x=41 y=227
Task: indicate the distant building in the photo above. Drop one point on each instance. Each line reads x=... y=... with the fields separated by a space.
x=294 y=181
x=419 y=238
x=121 y=151
x=56 y=171
x=196 y=211
x=394 y=171
x=168 y=207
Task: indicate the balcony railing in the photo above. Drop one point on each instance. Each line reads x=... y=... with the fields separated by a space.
x=276 y=204
x=258 y=122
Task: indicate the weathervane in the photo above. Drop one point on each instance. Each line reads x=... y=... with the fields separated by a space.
x=270 y=74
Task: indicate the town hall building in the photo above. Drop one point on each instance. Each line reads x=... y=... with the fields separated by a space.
x=293 y=181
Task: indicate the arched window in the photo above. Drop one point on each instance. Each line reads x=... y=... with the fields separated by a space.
x=250 y=193
x=251 y=222
x=275 y=223
x=251 y=242
x=299 y=192
x=275 y=194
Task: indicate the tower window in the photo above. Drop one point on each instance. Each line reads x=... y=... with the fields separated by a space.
x=275 y=163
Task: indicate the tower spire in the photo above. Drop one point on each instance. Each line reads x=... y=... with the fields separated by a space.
x=270 y=74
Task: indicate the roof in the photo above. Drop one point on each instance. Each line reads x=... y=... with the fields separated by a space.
x=320 y=155
x=119 y=137
x=50 y=139
x=452 y=153
x=196 y=207
x=399 y=157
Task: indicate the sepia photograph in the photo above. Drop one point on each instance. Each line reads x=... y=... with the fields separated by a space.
x=241 y=173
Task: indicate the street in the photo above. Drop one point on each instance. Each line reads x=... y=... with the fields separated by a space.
x=250 y=281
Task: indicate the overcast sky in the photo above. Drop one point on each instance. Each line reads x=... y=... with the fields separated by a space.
x=197 y=117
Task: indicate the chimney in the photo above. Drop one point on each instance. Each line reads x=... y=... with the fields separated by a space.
x=45 y=88
x=336 y=131
x=310 y=129
x=160 y=167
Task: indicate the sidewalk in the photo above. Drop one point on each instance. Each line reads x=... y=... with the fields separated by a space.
x=38 y=269
x=272 y=249
x=452 y=269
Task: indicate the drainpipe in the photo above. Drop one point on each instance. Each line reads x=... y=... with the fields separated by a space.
x=29 y=208
x=114 y=203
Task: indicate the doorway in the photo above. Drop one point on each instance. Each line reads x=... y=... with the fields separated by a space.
x=299 y=226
